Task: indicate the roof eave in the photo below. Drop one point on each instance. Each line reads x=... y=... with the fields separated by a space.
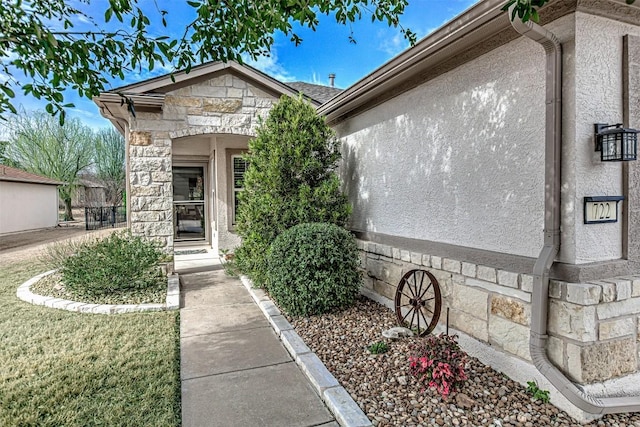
x=166 y=82
x=412 y=60
x=27 y=181
x=149 y=94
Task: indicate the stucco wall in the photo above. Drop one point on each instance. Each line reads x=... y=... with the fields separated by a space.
x=460 y=159
x=598 y=99
x=27 y=206
x=457 y=160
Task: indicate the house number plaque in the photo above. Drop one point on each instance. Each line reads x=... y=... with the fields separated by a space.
x=599 y=209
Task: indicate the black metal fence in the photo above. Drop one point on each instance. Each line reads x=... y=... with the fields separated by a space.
x=105 y=216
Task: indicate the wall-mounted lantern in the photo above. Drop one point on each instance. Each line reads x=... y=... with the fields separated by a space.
x=616 y=143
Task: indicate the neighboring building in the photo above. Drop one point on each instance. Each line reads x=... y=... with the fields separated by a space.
x=88 y=193
x=27 y=201
x=444 y=162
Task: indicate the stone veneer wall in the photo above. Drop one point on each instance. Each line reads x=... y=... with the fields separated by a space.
x=594 y=327
x=222 y=105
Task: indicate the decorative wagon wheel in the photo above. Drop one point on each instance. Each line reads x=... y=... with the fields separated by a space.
x=418 y=302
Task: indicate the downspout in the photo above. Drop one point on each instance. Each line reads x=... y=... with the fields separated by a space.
x=540 y=293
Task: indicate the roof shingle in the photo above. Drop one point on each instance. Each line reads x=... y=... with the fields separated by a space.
x=316 y=92
x=12 y=174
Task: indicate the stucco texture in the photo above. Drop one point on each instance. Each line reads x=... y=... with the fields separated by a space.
x=598 y=99
x=458 y=160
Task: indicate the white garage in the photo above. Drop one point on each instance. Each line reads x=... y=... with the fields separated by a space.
x=27 y=201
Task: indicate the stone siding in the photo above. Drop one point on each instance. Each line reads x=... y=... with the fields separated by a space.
x=222 y=105
x=594 y=328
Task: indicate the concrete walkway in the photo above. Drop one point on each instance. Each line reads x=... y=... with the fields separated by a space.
x=234 y=369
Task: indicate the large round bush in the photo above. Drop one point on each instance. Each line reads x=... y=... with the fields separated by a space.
x=313 y=268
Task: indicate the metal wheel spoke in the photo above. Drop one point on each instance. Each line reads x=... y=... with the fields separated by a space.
x=426 y=290
x=413 y=316
x=415 y=283
x=410 y=288
x=426 y=322
x=407 y=295
x=421 y=282
x=405 y=316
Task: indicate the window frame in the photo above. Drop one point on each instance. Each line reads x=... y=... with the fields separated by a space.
x=231 y=177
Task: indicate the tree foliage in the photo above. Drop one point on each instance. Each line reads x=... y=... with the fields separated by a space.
x=527 y=10
x=109 y=164
x=39 y=144
x=59 y=45
x=4 y=160
x=291 y=180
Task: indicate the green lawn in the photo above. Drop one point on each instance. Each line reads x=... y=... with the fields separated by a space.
x=59 y=368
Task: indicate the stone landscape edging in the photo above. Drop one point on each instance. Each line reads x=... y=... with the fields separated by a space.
x=338 y=400
x=172 y=302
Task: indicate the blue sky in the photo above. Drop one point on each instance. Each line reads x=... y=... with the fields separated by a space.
x=325 y=51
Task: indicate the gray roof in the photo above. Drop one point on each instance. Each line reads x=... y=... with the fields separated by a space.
x=316 y=92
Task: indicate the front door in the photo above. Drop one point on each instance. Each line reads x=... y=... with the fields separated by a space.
x=188 y=203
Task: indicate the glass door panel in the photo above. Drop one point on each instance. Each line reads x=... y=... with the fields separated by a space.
x=188 y=203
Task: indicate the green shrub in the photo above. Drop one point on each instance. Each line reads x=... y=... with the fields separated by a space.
x=313 y=268
x=290 y=180
x=116 y=263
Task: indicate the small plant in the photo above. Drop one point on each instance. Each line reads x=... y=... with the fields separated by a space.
x=537 y=393
x=116 y=263
x=313 y=269
x=227 y=259
x=55 y=254
x=378 y=347
x=439 y=364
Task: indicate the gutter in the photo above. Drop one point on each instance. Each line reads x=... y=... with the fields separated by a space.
x=457 y=34
x=540 y=293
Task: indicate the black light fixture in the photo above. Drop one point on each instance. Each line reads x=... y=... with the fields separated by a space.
x=615 y=143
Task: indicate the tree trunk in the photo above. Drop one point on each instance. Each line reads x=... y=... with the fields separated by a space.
x=68 y=214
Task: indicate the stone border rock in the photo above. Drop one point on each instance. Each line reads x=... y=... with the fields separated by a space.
x=172 y=301
x=337 y=399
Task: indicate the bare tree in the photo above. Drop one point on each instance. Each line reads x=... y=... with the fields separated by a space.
x=110 y=164
x=39 y=144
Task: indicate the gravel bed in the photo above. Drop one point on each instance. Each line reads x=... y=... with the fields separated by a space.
x=52 y=286
x=389 y=395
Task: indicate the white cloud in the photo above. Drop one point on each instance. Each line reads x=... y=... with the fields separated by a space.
x=143 y=73
x=316 y=80
x=392 y=45
x=270 y=66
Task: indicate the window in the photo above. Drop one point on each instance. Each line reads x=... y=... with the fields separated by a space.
x=239 y=167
